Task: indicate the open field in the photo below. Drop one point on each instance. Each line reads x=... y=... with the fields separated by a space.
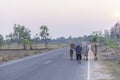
x=16 y=52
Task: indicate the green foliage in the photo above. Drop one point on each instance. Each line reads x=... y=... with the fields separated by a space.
x=95 y=38
x=26 y=41
x=21 y=34
x=44 y=32
x=111 y=43
x=1 y=40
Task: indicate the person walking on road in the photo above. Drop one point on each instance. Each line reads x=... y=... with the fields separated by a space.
x=78 y=50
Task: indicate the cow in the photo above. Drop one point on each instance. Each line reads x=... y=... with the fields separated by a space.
x=94 y=49
x=85 y=51
x=72 y=46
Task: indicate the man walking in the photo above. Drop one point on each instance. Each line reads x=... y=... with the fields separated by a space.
x=78 y=50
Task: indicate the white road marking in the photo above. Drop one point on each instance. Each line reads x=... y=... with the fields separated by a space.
x=88 y=74
x=48 y=62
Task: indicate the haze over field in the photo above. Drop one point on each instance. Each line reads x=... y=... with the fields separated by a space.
x=63 y=17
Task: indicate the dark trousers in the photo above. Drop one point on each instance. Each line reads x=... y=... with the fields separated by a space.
x=78 y=56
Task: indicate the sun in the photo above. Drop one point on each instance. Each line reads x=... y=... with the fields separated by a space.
x=117 y=14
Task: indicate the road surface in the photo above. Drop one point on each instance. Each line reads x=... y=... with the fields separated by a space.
x=53 y=65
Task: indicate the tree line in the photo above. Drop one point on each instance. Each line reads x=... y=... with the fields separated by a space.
x=22 y=36
x=109 y=37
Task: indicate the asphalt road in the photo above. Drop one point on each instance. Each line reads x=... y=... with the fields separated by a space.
x=53 y=65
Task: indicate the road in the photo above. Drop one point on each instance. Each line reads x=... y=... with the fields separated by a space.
x=53 y=65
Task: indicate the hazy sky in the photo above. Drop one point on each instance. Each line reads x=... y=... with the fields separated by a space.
x=63 y=17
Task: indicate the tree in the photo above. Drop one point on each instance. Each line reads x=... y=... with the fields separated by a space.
x=1 y=40
x=7 y=41
x=36 y=40
x=115 y=31
x=95 y=36
x=22 y=34
x=106 y=34
x=44 y=33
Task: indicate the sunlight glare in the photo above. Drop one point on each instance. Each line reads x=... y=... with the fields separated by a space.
x=117 y=14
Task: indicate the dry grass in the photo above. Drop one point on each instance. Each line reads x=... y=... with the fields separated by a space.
x=112 y=65
x=17 y=54
x=37 y=46
x=11 y=55
x=113 y=68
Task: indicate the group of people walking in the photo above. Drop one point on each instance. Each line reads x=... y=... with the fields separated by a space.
x=82 y=50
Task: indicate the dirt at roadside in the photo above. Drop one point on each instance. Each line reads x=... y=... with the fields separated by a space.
x=110 y=58
x=99 y=70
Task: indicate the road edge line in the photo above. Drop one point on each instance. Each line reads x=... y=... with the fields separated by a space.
x=88 y=74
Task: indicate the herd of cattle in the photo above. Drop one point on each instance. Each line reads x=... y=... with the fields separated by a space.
x=85 y=50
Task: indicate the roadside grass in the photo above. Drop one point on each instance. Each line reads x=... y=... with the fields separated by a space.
x=9 y=55
x=13 y=55
x=112 y=66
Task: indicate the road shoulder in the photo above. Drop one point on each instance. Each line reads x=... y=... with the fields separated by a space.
x=99 y=70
